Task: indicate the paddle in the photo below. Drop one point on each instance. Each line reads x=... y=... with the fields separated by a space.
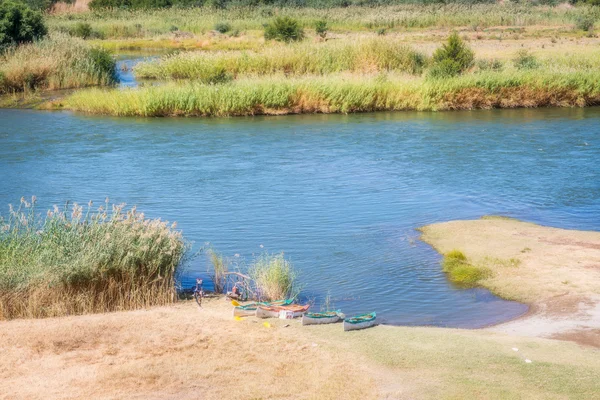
x=235 y=303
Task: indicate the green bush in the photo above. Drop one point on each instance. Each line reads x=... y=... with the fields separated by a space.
x=455 y=264
x=585 y=23
x=284 y=29
x=222 y=27
x=19 y=24
x=321 y=28
x=82 y=30
x=525 y=60
x=489 y=65
x=103 y=64
x=453 y=58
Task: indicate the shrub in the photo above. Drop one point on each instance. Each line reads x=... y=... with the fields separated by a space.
x=525 y=60
x=489 y=65
x=77 y=261
x=585 y=23
x=82 y=30
x=274 y=277
x=19 y=24
x=453 y=58
x=321 y=28
x=103 y=65
x=455 y=264
x=222 y=27
x=284 y=29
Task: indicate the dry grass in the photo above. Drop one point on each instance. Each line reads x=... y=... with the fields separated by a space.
x=184 y=352
x=167 y=353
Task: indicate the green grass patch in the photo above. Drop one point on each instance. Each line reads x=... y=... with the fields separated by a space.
x=460 y=271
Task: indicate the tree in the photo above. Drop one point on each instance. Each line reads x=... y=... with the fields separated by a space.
x=19 y=24
x=453 y=58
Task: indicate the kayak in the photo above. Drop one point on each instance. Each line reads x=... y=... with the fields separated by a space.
x=360 y=322
x=329 y=317
x=296 y=310
x=250 y=309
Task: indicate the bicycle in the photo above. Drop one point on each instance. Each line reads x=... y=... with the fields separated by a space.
x=198 y=292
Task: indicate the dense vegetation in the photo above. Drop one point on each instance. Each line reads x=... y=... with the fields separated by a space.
x=340 y=93
x=77 y=260
x=364 y=55
x=55 y=62
x=19 y=24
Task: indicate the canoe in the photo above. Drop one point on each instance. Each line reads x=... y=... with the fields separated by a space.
x=273 y=311
x=248 y=310
x=360 y=322
x=329 y=317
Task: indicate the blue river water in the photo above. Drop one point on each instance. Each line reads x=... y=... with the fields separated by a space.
x=341 y=195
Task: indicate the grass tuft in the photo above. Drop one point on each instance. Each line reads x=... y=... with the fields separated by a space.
x=274 y=277
x=460 y=271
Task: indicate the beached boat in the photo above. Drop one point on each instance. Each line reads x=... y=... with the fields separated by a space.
x=329 y=317
x=296 y=310
x=360 y=322
x=248 y=310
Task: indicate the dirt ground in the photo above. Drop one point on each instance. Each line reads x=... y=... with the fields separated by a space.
x=183 y=352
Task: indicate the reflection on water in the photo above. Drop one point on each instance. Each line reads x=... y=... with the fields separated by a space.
x=340 y=194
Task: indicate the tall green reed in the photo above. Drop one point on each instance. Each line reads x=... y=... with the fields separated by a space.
x=78 y=260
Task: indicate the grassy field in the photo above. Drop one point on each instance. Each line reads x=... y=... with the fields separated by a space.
x=120 y=24
x=78 y=260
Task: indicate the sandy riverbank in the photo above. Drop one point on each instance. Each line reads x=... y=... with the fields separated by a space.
x=556 y=271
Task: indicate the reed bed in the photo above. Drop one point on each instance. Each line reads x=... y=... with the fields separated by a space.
x=114 y=24
x=364 y=56
x=56 y=62
x=75 y=261
x=345 y=94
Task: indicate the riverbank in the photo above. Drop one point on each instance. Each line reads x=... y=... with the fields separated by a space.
x=181 y=351
x=341 y=94
x=556 y=271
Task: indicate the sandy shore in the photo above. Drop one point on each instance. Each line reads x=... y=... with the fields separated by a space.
x=556 y=271
x=184 y=352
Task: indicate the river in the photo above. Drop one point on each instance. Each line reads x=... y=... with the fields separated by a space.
x=341 y=195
